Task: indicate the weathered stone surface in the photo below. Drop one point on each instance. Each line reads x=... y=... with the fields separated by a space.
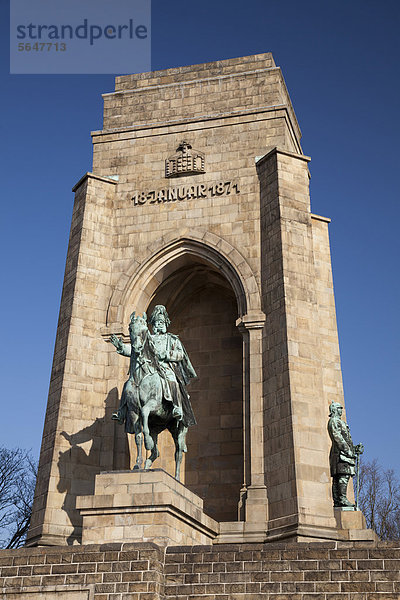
x=242 y=266
x=149 y=506
x=226 y=572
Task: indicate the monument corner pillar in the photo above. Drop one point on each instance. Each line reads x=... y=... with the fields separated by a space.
x=296 y=444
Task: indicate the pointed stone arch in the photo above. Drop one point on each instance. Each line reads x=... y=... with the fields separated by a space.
x=136 y=286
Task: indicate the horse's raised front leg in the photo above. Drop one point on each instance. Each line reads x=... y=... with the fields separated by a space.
x=180 y=448
x=154 y=453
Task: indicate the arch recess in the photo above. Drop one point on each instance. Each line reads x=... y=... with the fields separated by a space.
x=136 y=286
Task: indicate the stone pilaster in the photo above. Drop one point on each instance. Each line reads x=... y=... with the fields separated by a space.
x=77 y=438
x=295 y=412
x=254 y=493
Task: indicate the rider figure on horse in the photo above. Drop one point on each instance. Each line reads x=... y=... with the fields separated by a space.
x=176 y=370
x=173 y=366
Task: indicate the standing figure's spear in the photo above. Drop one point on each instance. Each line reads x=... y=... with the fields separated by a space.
x=359 y=449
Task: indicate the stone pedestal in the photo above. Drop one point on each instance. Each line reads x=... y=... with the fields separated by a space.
x=352 y=526
x=144 y=506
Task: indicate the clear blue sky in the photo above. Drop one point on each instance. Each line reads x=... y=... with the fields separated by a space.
x=341 y=64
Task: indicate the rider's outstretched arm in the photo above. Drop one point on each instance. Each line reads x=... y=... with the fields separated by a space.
x=125 y=349
x=121 y=348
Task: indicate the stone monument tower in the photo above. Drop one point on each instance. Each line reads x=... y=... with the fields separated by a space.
x=198 y=200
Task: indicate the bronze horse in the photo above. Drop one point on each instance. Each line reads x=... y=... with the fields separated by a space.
x=143 y=409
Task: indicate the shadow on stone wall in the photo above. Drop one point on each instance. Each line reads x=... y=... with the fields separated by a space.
x=79 y=466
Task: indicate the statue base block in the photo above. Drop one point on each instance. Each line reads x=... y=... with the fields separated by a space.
x=352 y=526
x=144 y=506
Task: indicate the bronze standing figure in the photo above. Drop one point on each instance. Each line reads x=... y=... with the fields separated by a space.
x=342 y=456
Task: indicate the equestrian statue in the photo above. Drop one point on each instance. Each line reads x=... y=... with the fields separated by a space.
x=154 y=397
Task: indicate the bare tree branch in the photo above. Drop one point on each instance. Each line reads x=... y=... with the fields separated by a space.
x=17 y=484
x=380 y=500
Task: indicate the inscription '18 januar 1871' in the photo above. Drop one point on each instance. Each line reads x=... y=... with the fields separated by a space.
x=186 y=192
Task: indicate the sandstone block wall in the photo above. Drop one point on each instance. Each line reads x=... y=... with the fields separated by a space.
x=329 y=571
x=232 y=111
x=282 y=572
x=252 y=251
x=95 y=572
x=78 y=434
x=299 y=307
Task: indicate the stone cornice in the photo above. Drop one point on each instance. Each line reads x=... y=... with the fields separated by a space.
x=173 y=122
x=89 y=175
x=190 y=81
x=319 y=218
x=276 y=150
